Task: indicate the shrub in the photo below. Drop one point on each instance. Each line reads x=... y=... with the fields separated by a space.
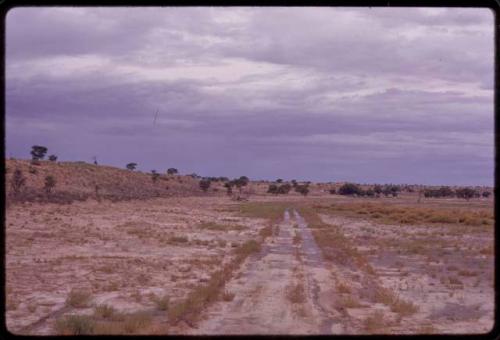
x=284 y=189
x=52 y=158
x=272 y=189
x=332 y=191
x=486 y=194
x=172 y=171
x=154 y=176
x=349 y=189
x=466 y=193
x=302 y=189
x=50 y=183
x=17 y=181
x=204 y=184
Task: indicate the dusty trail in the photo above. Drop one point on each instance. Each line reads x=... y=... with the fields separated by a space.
x=262 y=304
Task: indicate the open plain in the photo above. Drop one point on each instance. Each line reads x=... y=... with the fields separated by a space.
x=321 y=264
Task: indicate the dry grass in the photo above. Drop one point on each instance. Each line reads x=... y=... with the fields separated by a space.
x=297 y=239
x=374 y=323
x=161 y=302
x=104 y=312
x=391 y=213
x=343 y=288
x=296 y=293
x=75 y=325
x=189 y=308
x=349 y=301
x=266 y=231
x=221 y=227
x=397 y=305
x=228 y=296
x=78 y=298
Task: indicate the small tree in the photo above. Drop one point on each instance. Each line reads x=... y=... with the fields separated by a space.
x=131 y=166
x=52 y=158
x=284 y=189
x=486 y=194
x=241 y=182
x=17 y=181
x=205 y=184
x=279 y=180
x=302 y=189
x=38 y=152
x=294 y=183
x=50 y=183
x=172 y=171
x=273 y=189
x=377 y=189
x=154 y=176
x=466 y=193
x=229 y=187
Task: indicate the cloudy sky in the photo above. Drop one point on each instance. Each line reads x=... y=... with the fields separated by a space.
x=322 y=94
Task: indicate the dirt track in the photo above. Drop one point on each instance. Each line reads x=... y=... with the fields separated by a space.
x=262 y=305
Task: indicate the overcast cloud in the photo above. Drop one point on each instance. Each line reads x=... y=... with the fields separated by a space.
x=401 y=95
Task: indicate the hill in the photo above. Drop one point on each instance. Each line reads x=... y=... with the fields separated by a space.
x=80 y=181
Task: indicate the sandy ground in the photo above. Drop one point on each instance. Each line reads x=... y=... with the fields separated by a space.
x=126 y=253
x=121 y=252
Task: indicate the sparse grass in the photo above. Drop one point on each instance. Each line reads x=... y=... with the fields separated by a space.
x=349 y=301
x=375 y=322
x=391 y=213
x=343 y=288
x=297 y=238
x=189 y=308
x=161 y=302
x=269 y=210
x=78 y=298
x=75 y=325
x=228 y=296
x=426 y=329
x=104 y=312
x=178 y=239
x=296 y=293
x=266 y=231
x=221 y=227
x=466 y=272
x=397 y=305
x=248 y=248
x=404 y=308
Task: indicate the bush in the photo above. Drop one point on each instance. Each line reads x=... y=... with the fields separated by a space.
x=52 y=158
x=466 y=193
x=284 y=189
x=272 y=189
x=50 y=183
x=349 y=189
x=205 y=184
x=302 y=189
x=154 y=176
x=172 y=171
x=17 y=181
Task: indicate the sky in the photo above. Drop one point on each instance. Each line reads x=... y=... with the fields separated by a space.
x=369 y=95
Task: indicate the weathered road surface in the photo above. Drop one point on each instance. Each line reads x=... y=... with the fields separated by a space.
x=262 y=305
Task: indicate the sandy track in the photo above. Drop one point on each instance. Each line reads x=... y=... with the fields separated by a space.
x=261 y=304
